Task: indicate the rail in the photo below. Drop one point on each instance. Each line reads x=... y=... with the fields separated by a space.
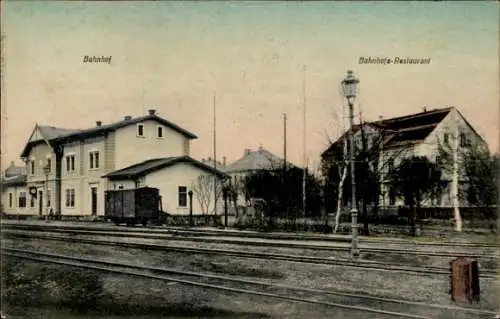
x=364 y=264
x=406 y=309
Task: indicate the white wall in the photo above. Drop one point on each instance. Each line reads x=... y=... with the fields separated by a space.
x=15 y=209
x=169 y=179
x=83 y=178
x=131 y=149
x=40 y=153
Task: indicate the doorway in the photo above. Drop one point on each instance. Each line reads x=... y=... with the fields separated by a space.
x=93 y=200
x=40 y=202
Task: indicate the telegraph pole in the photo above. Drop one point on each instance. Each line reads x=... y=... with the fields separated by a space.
x=215 y=161
x=284 y=167
x=284 y=142
x=304 y=207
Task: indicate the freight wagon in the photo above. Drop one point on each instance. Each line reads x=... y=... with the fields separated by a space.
x=133 y=206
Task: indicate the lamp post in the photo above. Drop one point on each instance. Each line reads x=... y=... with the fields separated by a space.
x=349 y=86
x=46 y=171
x=190 y=193
x=225 y=196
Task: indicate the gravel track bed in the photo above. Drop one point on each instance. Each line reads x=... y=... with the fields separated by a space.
x=386 y=257
x=424 y=288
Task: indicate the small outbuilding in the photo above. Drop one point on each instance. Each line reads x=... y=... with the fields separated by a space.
x=175 y=177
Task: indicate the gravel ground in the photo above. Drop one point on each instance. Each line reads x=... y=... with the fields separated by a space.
x=466 y=236
x=425 y=288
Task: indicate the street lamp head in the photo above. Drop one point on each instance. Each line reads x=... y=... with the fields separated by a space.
x=349 y=85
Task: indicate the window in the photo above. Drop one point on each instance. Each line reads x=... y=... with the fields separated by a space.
x=22 y=199
x=10 y=200
x=446 y=138
x=182 y=196
x=70 y=163
x=464 y=141
x=67 y=198
x=32 y=201
x=140 y=130
x=160 y=132
x=72 y=202
x=70 y=197
x=49 y=164
x=48 y=197
x=94 y=160
x=32 y=167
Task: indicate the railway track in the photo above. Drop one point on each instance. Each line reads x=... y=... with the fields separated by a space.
x=327 y=246
x=179 y=231
x=368 y=305
x=360 y=264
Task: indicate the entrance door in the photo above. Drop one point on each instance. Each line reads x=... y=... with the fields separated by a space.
x=93 y=200
x=40 y=203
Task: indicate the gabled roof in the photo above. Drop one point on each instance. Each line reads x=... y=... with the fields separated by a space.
x=97 y=130
x=403 y=130
x=148 y=166
x=60 y=135
x=52 y=132
x=19 y=180
x=260 y=159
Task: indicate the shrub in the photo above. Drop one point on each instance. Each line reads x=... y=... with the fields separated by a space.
x=31 y=284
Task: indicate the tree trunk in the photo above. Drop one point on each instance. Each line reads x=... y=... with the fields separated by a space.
x=340 y=192
x=366 y=231
x=456 y=209
x=413 y=220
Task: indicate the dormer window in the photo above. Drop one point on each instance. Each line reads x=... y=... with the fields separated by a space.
x=159 y=132
x=140 y=130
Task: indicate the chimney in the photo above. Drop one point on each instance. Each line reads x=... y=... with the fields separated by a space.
x=247 y=152
x=98 y=123
x=127 y=117
x=424 y=109
x=223 y=161
x=380 y=118
x=152 y=111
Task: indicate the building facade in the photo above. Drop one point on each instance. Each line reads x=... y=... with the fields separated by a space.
x=420 y=134
x=66 y=168
x=251 y=162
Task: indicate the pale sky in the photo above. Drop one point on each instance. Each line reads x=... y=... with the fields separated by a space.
x=174 y=56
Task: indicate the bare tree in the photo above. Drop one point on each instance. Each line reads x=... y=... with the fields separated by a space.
x=467 y=161
x=450 y=158
x=372 y=167
x=203 y=188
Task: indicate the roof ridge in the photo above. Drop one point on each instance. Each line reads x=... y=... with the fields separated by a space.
x=442 y=110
